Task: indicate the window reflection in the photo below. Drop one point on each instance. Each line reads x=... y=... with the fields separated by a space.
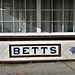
x=57 y=4
x=8 y=15
x=8 y=27
x=31 y=27
x=57 y=27
x=31 y=16
x=46 y=15
x=46 y=27
x=68 y=15
x=68 y=27
x=68 y=4
x=7 y=4
x=0 y=27
x=30 y=4
x=22 y=15
x=19 y=4
x=57 y=15
x=46 y=4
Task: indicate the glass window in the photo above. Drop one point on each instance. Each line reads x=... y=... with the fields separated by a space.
x=46 y=15
x=7 y=4
x=0 y=27
x=69 y=4
x=57 y=27
x=46 y=4
x=8 y=27
x=0 y=4
x=30 y=4
x=18 y=27
x=57 y=15
x=0 y=15
x=19 y=4
x=8 y=15
x=19 y=15
x=31 y=27
x=68 y=15
x=32 y=16
x=57 y=4
x=68 y=27
x=46 y=27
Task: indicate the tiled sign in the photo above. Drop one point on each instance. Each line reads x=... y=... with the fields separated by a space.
x=37 y=50
x=32 y=50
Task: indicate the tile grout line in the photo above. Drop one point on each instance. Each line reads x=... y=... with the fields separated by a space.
x=70 y=68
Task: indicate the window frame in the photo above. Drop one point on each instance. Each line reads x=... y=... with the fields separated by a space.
x=38 y=33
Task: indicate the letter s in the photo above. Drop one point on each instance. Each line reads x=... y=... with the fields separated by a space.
x=53 y=50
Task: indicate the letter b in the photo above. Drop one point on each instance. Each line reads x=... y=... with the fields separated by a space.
x=16 y=51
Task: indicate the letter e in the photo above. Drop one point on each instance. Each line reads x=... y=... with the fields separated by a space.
x=25 y=50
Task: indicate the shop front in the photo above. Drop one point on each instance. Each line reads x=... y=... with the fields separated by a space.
x=37 y=30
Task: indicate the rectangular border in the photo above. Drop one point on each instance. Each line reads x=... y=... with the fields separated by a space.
x=59 y=51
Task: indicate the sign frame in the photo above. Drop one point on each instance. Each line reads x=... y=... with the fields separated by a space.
x=59 y=50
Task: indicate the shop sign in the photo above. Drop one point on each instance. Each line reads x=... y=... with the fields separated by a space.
x=32 y=50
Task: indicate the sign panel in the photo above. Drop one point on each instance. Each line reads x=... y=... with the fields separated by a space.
x=32 y=50
x=37 y=50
